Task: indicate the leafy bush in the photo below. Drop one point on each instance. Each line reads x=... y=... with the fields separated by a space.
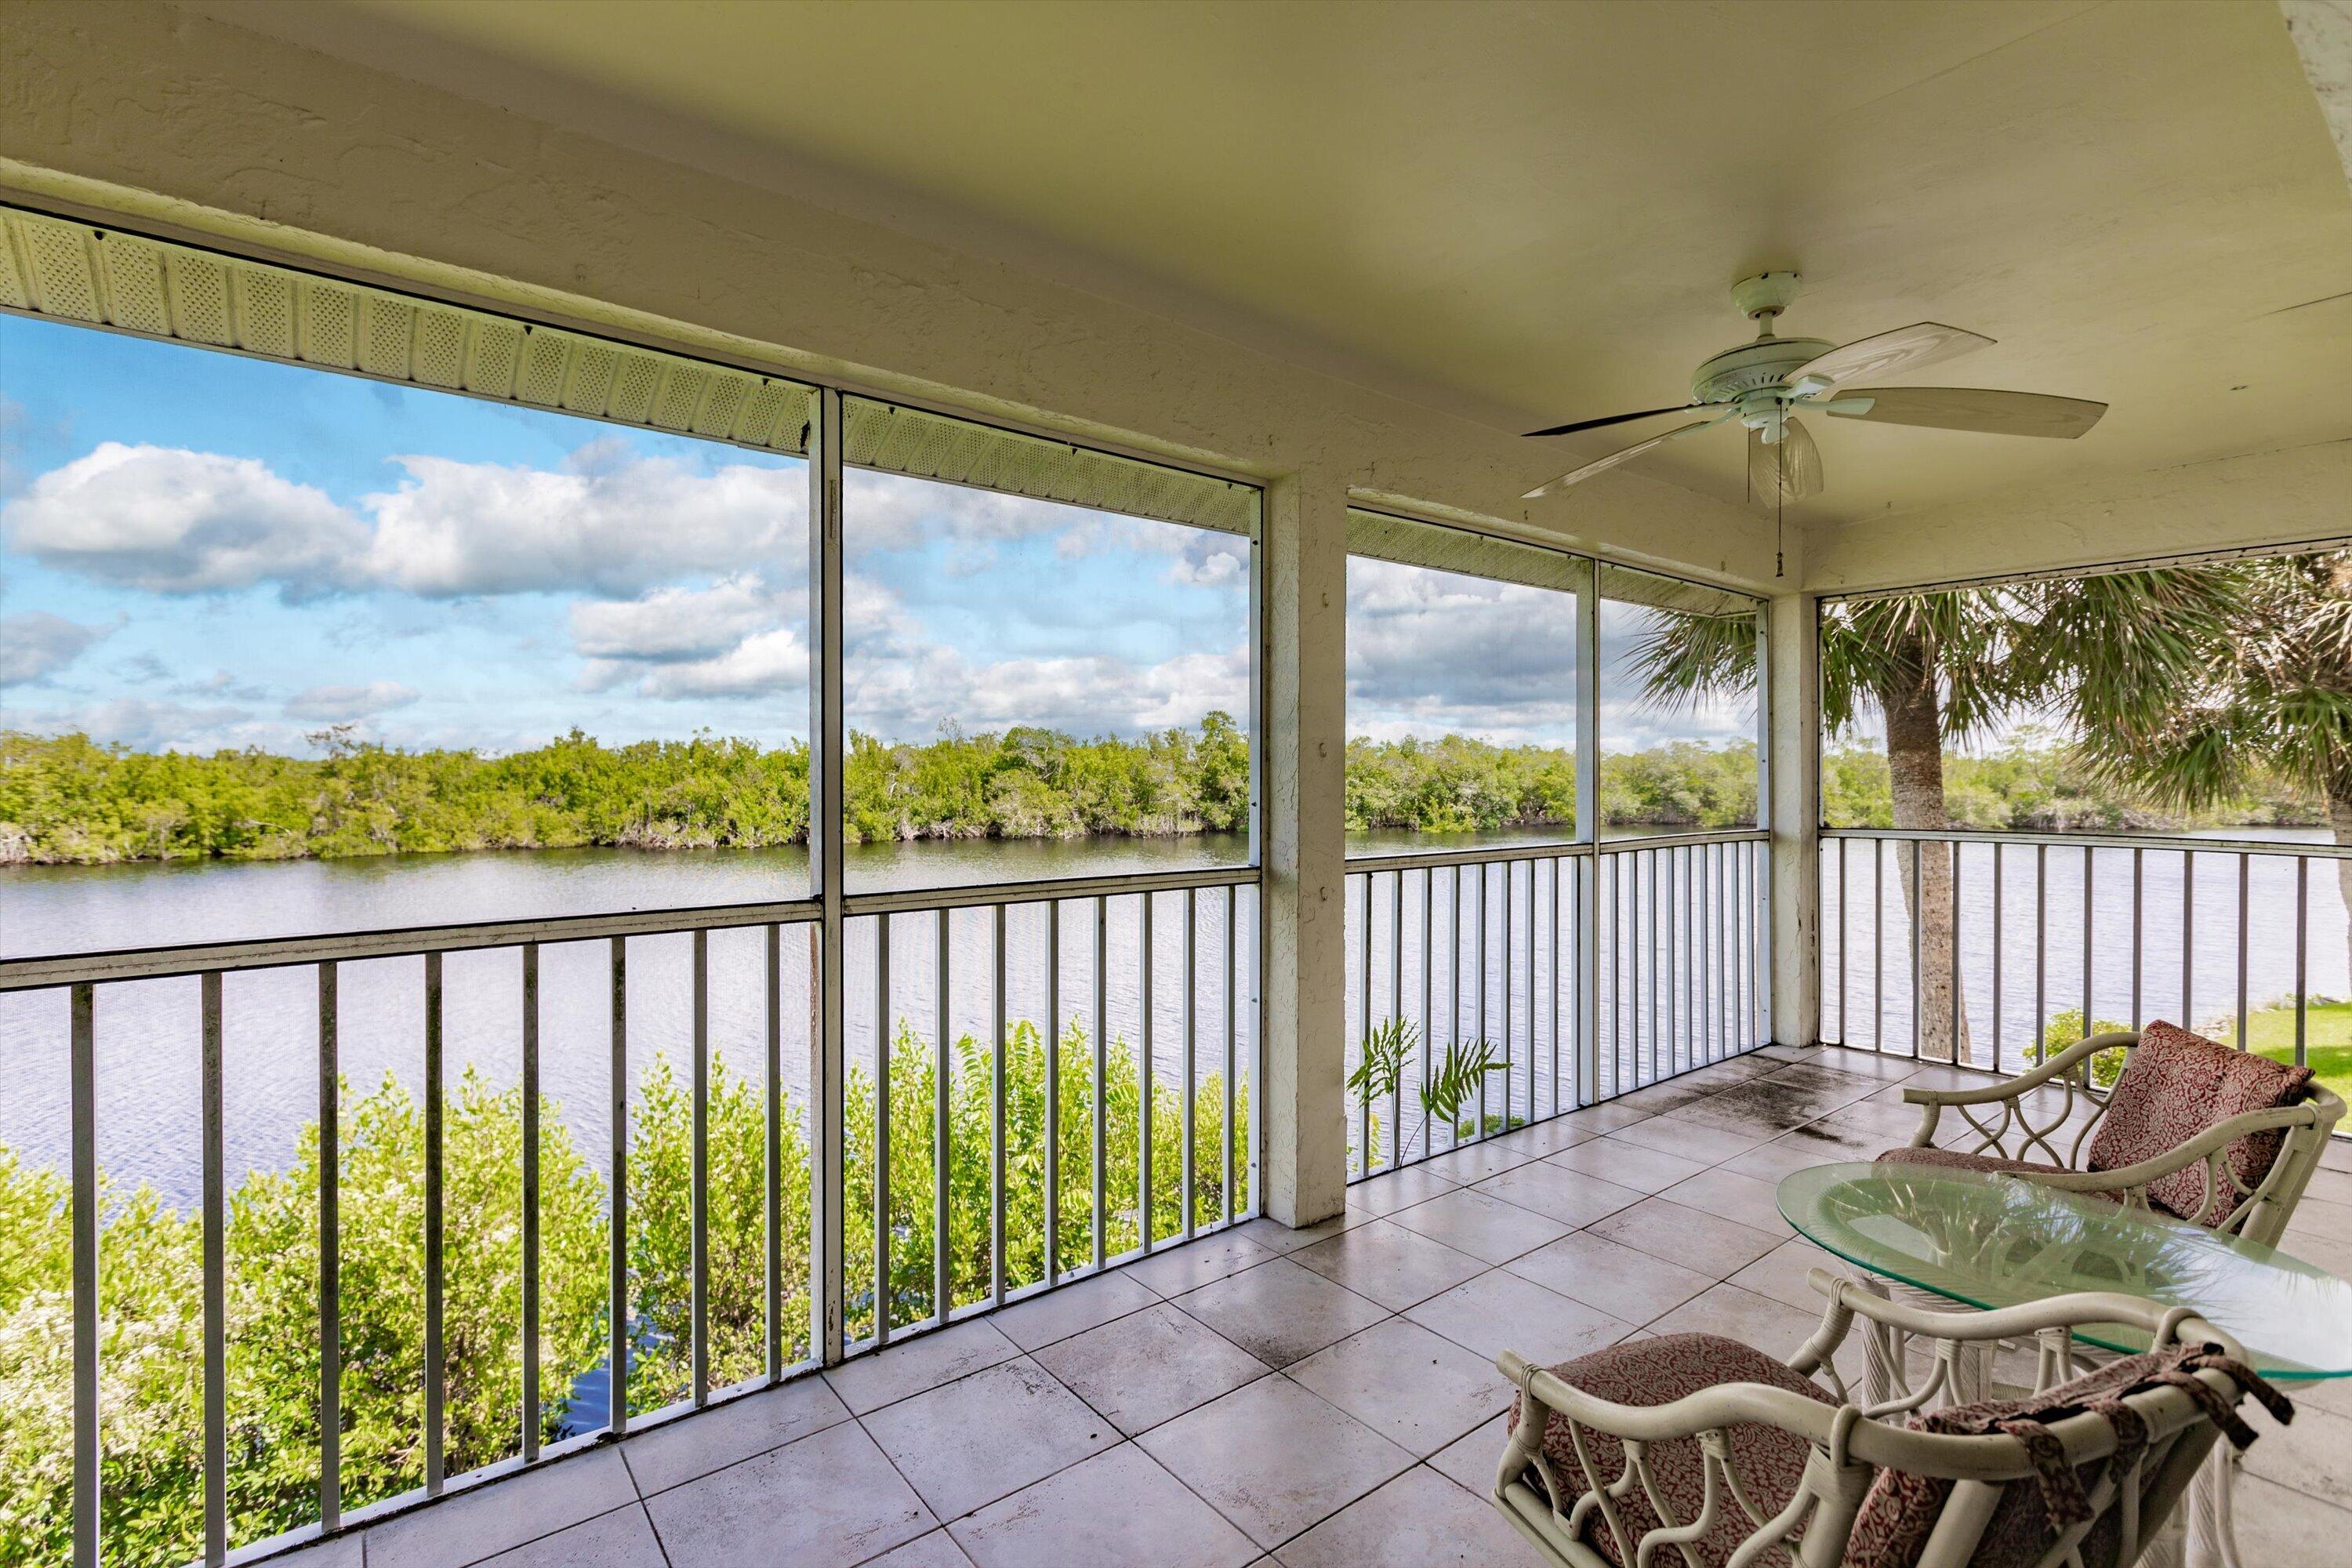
x=151 y=1283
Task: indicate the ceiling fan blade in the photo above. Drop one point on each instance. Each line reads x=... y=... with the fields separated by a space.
x=1619 y=419
x=1619 y=456
x=1983 y=409
x=1906 y=348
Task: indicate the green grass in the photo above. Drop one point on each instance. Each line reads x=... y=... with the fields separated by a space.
x=2328 y=1040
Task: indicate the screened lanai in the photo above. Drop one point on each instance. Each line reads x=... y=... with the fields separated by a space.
x=798 y=784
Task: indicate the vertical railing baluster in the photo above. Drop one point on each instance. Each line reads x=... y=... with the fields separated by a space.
x=1102 y=1062
x=882 y=1129
x=1454 y=971
x=996 y=1109
x=2245 y=1041
x=1396 y=1011
x=2137 y=856
x=1959 y=1055
x=1053 y=1090
x=435 y=1372
x=2188 y=939
x=1845 y=938
x=1878 y=944
x=1915 y=904
x=1233 y=1017
x=1624 y=1019
x=216 y=1285
x=2040 y=952
x=1481 y=973
x=2302 y=955
x=1428 y=981
x=2090 y=856
x=1364 y=1023
x=1732 y=933
x=1999 y=915
x=1191 y=982
x=330 y=1254
x=699 y=1183
x=771 y=1090
x=531 y=1411
x=1143 y=1162
x=616 y=1349
x=82 y=1007
x=1505 y=979
x=942 y=1130
x=1633 y=860
x=1557 y=953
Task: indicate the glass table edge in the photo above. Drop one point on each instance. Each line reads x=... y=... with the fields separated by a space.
x=2275 y=1372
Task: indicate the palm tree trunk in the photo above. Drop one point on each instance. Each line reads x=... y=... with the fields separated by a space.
x=1915 y=758
x=2339 y=819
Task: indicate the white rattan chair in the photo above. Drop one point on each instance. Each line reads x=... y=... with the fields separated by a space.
x=1758 y=1463
x=2030 y=1115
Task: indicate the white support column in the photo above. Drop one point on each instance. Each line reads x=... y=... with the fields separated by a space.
x=1303 y=660
x=1792 y=810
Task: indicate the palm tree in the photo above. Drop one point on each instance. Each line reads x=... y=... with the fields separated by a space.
x=2112 y=652
x=2274 y=697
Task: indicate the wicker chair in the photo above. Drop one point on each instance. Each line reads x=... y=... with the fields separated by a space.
x=2035 y=1110
x=1711 y=1455
x=2192 y=1162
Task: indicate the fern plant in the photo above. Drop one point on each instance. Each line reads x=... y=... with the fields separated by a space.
x=1380 y=1067
x=1456 y=1079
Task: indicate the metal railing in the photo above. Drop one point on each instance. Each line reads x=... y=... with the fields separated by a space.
x=1548 y=977
x=2041 y=937
x=967 y=943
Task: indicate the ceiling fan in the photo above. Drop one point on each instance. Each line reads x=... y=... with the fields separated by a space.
x=1763 y=383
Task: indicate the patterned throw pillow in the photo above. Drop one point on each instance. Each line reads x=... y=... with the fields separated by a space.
x=1643 y=1373
x=1902 y=1508
x=2178 y=1085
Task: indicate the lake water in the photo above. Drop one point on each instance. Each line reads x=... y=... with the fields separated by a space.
x=149 y=1090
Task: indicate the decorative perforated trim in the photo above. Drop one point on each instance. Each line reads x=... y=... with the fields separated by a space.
x=110 y=277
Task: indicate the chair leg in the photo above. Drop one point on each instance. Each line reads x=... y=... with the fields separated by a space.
x=1881 y=1350
x=2212 y=1529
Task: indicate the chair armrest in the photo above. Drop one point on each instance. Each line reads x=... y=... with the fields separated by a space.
x=2204 y=1146
x=1724 y=1404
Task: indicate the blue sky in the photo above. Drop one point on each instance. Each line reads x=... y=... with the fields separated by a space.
x=198 y=549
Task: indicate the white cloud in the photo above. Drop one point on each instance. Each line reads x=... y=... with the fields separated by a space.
x=607 y=522
x=171 y=521
x=348 y=704
x=766 y=664
x=35 y=645
x=676 y=623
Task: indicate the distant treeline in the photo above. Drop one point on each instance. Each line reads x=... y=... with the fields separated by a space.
x=68 y=799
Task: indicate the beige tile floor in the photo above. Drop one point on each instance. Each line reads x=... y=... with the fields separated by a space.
x=1311 y=1399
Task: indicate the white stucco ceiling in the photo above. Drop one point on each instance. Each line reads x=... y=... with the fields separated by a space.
x=1532 y=211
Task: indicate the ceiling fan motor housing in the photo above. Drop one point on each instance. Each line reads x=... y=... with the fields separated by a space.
x=1755 y=366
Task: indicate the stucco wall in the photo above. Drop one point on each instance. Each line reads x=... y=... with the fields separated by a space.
x=271 y=144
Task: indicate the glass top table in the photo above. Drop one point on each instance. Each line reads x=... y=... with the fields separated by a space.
x=1992 y=1241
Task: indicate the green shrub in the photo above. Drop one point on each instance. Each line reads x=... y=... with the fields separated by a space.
x=150 y=1284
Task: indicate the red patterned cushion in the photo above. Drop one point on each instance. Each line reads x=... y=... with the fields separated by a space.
x=1643 y=1372
x=1902 y=1508
x=2178 y=1085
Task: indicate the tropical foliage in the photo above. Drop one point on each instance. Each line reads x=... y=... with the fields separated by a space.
x=151 y=1283
x=2106 y=654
